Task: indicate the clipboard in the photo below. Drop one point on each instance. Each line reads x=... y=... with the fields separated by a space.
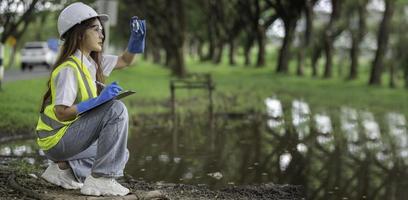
x=124 y=94
x=119 y=96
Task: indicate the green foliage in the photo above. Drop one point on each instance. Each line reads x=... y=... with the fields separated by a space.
x=19 y=104
x=43 y=28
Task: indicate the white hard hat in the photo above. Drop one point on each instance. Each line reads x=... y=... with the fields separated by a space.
x=75 y=14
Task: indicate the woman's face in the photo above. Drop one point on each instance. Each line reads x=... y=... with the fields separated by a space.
x=93 y=37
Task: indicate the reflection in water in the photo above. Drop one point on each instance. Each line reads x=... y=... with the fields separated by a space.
x=323 y=123
x=349 y=158
x=274 y=107
x=301 y=148
x=398 y=132
x=216 y=175
x=22 y=150
x=324 y=131
x=349 y=124
x=284 y=161
x=5 y=151
x=300 y=118
x=372 y=132
x=15 y=150
x=274 y=111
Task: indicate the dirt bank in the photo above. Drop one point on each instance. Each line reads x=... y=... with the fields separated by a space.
x=20 y=181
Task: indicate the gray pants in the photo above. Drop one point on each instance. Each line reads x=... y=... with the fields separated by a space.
x=96 y=143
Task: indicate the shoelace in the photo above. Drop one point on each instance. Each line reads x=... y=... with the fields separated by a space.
x=113 y=181
x=116 y=183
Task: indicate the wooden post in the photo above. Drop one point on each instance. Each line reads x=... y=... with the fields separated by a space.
x=192 y=81
x=173 y=101
x=210 y=88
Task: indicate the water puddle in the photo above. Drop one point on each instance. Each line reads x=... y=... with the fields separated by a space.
x=355 y=155
x=331 y=161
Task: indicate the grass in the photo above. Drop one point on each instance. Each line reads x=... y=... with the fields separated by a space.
x=238 y=89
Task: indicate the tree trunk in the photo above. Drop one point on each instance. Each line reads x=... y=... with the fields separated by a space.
x=179 y=62
x=156 y=55
x=328 y=48
x=382 y=41
x=168 y=57
x=261 y=36
x=356 y=40
x=176 y=62
x=317 y=52
x=392 y=75
x=192 y=48
x=301 y=58
x=231 y=52
x=354 y=54
x=14 y=48
x=247 y=49
x=211 y=41
x=306 y=39
x=218 y=53
x=406 y=77
x=200 y=50
x=284 y=52
x=12 y=57
x=146 y=55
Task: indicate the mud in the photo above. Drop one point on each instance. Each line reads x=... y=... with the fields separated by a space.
x=23 y=182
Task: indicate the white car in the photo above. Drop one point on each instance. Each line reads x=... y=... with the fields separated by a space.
x=36 y=54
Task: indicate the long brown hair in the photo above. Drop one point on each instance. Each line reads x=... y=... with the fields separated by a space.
x=72 y=41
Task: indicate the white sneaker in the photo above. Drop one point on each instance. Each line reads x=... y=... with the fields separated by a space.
x=103 y=186
x=63 y=178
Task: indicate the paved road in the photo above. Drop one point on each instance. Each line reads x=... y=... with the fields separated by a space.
x=17 y=74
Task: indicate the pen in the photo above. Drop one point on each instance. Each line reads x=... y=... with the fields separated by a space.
x=100 y=84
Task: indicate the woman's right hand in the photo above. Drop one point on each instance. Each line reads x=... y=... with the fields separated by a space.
x=137 y=35
x=109 y=92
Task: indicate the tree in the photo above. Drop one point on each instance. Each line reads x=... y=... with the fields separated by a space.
x=305 y=40
x=382 y=43
x=259 y=15
x=217 y=19
x=399 y=62
x=196 y=13
x=358 y=29
x=330 y=34
x=14 y=24
x=289 y=12
x=233 y=28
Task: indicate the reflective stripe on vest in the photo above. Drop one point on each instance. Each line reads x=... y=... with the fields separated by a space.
x=49 y=129
x=88 y=88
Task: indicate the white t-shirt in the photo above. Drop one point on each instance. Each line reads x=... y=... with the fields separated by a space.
x=66 y=80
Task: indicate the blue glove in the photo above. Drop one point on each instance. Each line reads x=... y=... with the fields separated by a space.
x=137 y=35
x=108 y=93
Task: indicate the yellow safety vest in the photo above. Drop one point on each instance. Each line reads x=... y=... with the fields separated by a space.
x=49 y=129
